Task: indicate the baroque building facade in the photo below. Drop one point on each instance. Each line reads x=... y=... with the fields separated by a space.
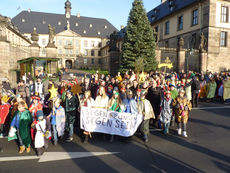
x=77 y=39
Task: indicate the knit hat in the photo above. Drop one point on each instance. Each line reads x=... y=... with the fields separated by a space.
x=39 y=114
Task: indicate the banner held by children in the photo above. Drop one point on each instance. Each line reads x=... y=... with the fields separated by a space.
x=109 y=122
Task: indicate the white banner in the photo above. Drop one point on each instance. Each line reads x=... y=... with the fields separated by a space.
x=109 y=122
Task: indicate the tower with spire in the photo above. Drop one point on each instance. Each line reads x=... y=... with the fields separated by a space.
x=68 y=12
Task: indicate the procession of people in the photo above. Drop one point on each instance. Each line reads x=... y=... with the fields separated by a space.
x=39 y=111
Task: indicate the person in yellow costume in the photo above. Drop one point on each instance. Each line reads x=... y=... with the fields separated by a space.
x=118 y=77
x=227 y=89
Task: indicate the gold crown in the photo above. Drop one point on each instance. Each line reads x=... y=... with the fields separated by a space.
x=5 y=99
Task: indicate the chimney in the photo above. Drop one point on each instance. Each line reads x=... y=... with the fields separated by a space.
x=163 y=1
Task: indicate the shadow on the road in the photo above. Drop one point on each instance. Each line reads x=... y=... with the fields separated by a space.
x=222 y=166
x=85 y=164
x=208 y=123
x=184 y=143
x=140 y=156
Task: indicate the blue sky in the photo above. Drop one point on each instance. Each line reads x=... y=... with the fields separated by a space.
x=116 y=11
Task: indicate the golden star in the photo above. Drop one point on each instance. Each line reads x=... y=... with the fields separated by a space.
x=53 y=92
x=76 y=89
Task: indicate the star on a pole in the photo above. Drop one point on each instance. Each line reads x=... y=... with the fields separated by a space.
x=76 y=89
x=53 y=92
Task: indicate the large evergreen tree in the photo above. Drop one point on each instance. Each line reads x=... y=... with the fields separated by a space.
x=138 y=40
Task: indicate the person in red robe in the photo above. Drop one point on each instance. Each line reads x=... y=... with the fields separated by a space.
x=4 y=111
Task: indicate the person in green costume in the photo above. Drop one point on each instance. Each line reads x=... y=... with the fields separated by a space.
x=114 y=105
x=22 y=121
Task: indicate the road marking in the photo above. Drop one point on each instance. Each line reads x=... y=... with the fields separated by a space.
x=55 y=156
x=223 y=107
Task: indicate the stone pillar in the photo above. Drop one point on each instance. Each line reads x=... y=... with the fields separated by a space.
x=51 y=52
x=53 y=67
x=203 y=56
x=181 y=56
x=34 y=47
x=114 y=62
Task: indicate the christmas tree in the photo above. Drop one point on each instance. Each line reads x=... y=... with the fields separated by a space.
x=138 y=40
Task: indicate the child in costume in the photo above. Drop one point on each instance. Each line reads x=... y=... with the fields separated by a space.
x=166 y=111
x=182 y=107
x=57 y=120
x=21 y=121
x=34 y=108
x=4 y=111
x=40 y=126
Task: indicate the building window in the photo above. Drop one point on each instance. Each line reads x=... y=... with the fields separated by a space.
x=60 y=51
x=92 y=53
x=92 y=43
x=85 y=43
x=99 y=61
x=77 y=51
x=60 y=42
x=70 y=52
x=85 y=61
x=92 y=61
x=77 y=43
x=67 y=51
x=99 y=44
x=223 y=39
x=180 y=22
x=167 y=28
x=99 y=53
x=43 y=41
x=195 y=17
x=224 y=14
x=68 y=42
x=86 y=53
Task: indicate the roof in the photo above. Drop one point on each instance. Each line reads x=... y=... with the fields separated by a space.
x=94 y=27
x=37 y=58
x=164 y=10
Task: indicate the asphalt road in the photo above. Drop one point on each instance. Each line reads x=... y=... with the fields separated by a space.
x=207 y=149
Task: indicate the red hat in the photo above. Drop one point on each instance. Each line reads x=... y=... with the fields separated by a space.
x=35 y=97
x=110 y=87
x=123 y=89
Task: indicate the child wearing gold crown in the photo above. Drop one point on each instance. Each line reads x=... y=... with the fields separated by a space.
x=4 y=111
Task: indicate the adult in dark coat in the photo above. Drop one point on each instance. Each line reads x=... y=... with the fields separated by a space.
x=6 y=85
x=154 y=96
x=72 y=104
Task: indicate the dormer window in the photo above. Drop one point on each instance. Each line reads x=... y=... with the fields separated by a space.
x=59 y=23
x=43 y=22
x=84 y=31
x=99 y=33
x=105 y=27
x=23 y=20
x=153 y=17
x=76 y=24
x=90 y=25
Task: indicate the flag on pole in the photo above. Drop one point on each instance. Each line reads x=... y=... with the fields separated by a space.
x=19 y=7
